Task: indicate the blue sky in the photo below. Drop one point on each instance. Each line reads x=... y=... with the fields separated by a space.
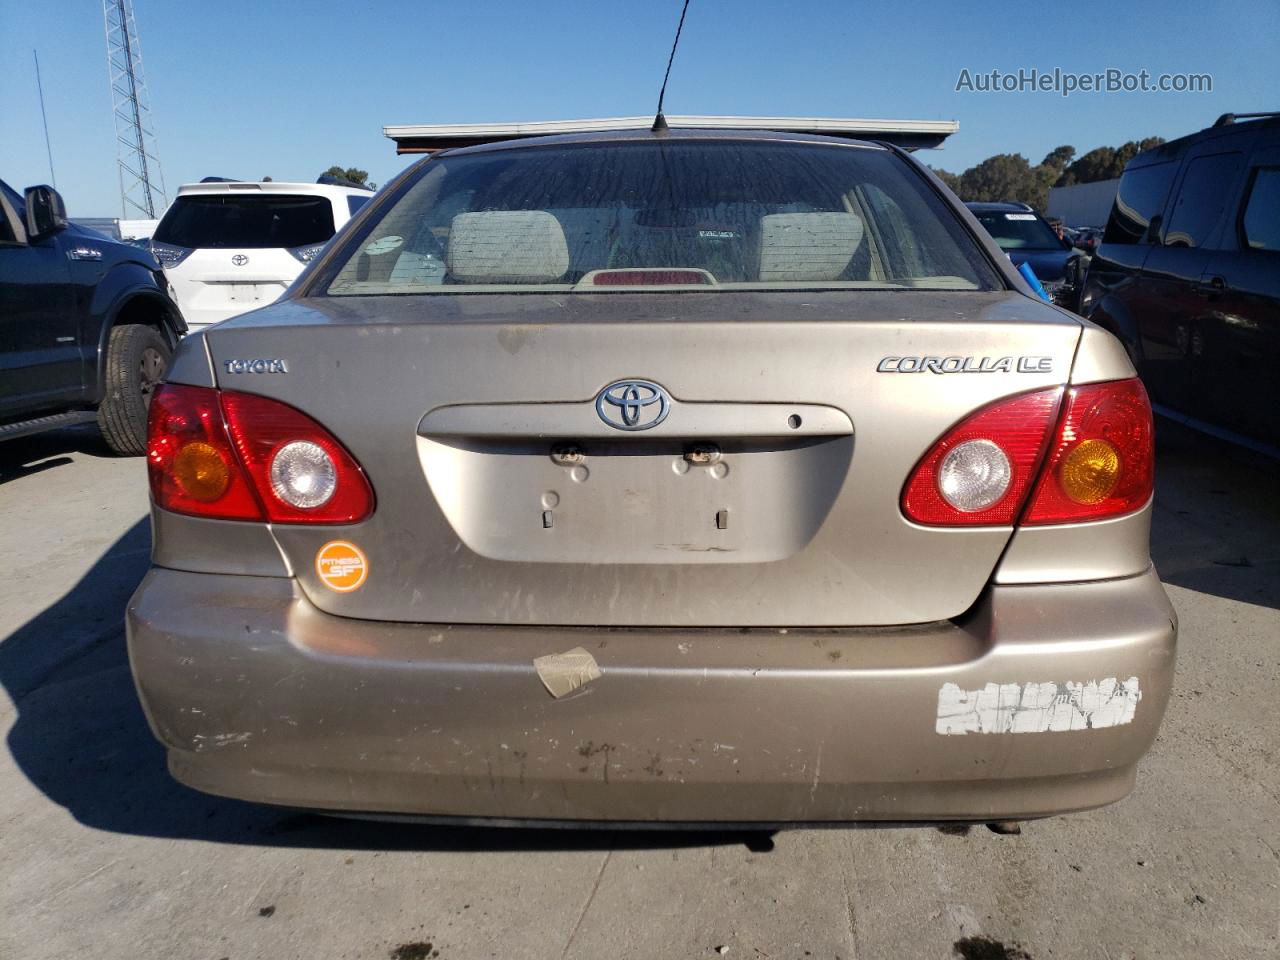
x=268 y=88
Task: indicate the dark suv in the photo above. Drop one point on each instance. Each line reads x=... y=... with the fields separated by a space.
x=1188 y=275
x=86 y=325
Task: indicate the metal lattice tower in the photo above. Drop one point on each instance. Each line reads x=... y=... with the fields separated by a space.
x=141 y=182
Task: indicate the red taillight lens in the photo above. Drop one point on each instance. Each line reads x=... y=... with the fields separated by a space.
x=190 y=461
x=979 y=473
x=237 y=456
x=266 y=432
x=640 y=278
x=1102 y=463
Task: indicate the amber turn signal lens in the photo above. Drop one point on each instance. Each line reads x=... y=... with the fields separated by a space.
x=1090 y=471
x=201 y=471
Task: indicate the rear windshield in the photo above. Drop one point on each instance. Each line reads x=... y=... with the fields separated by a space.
x=1019 y=231
x=686 y=215
x=217 y=220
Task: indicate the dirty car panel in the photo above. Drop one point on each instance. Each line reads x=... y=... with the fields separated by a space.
x=299 y=707
x=634 y=542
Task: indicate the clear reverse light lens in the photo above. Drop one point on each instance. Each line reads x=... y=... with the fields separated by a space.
x=303 y=475
x=974 y=476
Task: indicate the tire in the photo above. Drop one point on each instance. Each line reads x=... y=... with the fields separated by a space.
x=136 y=360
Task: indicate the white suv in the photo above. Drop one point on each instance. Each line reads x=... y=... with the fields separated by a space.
x=229 y=247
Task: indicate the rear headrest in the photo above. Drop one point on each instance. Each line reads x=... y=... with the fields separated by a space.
x=507 y=246
x=807 y=246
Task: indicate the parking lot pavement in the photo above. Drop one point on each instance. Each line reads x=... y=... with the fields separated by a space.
x=104 y=856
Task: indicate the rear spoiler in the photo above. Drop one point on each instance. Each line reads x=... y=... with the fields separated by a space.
x=907 y=134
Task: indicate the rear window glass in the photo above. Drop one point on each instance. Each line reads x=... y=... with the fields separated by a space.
x=1143 y=191
x=1014 y=230
x=689 y=215
x=220 y=220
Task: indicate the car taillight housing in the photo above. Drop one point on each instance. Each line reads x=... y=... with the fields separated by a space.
x=979 y=473
x=238 y=456
x=169 y=255
x=1067 y=458
x=1102 y=462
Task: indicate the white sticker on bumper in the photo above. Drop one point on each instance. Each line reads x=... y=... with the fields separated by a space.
x=1037 y=707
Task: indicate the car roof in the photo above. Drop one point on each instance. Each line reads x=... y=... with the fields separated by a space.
x=664 y=136
x=1222 y=130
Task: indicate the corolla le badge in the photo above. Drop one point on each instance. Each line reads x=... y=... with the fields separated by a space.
x=239 y=259
x=965 y=365
x=633 y=404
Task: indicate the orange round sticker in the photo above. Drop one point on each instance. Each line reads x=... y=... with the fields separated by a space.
x=341 y=566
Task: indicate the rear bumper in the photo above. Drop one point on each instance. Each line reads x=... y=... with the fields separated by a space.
x=258 y=695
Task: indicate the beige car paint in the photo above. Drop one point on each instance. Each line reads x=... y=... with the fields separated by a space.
x=775 y=644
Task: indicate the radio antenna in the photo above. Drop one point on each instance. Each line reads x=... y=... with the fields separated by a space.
x=44 y=117
x=660 y=122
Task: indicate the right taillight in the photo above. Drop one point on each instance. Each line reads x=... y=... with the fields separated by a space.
x=1039 y=458
x=1102 y=460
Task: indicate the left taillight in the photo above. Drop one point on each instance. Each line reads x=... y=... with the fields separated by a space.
x=309 y=252
x=191 y=462
x=169 y=255
x=237 y=456
x=302 y=473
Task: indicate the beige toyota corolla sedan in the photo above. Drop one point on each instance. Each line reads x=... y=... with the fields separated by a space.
x=676 y=477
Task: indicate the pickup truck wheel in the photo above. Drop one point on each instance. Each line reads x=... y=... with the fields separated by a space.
x=136 y=360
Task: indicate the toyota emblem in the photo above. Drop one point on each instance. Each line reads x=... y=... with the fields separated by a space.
x=239 y=259
x=633 y=404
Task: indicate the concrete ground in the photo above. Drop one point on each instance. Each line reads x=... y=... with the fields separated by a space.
x=105 y=857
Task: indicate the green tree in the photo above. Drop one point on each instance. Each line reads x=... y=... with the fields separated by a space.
x=1104 y=163
x=950 y=179
x=1009 y=176
x=1058 y=159
x=354 y=174
x=1006 y=176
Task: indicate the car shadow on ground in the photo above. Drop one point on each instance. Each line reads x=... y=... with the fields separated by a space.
x=1216 y=525
x=80 y=737
x=45 y=451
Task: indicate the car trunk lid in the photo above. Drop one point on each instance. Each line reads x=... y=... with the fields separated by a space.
x=768 y=495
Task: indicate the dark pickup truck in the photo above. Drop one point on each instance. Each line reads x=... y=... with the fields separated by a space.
x=86 y=325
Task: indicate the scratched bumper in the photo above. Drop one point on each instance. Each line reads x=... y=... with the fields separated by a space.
x=258 y=695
